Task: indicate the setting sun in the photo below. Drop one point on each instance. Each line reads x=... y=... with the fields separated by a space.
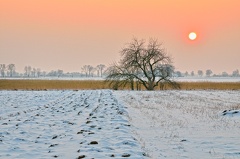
x=192 y=36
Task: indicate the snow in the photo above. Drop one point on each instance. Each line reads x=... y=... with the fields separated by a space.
x=64 y=124
x=120 y=124
x=185 y=124
x=207 y=79
x=231 y=113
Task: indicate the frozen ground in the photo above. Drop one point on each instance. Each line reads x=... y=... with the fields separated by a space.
x=64 y=124
x=207 y=79
x=185 y=124
x=120 y=124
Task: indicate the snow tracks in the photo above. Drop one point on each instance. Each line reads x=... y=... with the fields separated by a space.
x=65 y=124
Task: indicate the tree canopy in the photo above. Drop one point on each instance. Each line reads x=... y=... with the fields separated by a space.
x=144 y=64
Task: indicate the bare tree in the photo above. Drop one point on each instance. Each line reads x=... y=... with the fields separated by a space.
x=27 y=70
x=52 y=73
x=200 y=72
x=179 y=74
x=44 y=73
x=148 y=65
x=119 y=76
x=88 y=70
x=11 y=68
x=38 y=72
x=192 y=73
x=225 y=74
x=100 y=69
x=34 y=71
x=235 y=73
x=85 y=70
x=2 y=69
x=59 y=73
x=208 y=72
x=91 y=70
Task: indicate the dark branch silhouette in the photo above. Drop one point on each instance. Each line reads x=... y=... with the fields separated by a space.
x=149 y=66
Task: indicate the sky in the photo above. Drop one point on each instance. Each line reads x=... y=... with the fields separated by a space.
x=67 y=34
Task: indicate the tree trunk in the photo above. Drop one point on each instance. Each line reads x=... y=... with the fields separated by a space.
x=150 y=86
x=132 y=84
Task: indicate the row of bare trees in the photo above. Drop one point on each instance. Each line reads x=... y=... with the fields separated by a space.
x=89 y=70
x=7 y=70
x=208 y=73
x=29 y=71
x=98 y=71
x=32 y=72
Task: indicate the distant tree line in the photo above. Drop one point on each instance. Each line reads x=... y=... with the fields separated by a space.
x=32 y=72
x=207 y=73
x=9 y=70
x=91 y=71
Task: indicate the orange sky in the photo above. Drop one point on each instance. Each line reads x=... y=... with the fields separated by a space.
x=67 y=34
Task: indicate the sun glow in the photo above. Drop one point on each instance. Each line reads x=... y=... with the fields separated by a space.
x=192 y=36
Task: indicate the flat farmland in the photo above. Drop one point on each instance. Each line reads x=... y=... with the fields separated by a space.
x=185 y=124
x=64 y=124
x=120 y=124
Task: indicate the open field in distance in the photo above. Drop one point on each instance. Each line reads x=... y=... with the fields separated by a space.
x=7 y=84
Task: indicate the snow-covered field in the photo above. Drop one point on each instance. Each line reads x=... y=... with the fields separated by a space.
x=120 y=124
x=185 y=124
x=64 y=124
x=207 y=79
